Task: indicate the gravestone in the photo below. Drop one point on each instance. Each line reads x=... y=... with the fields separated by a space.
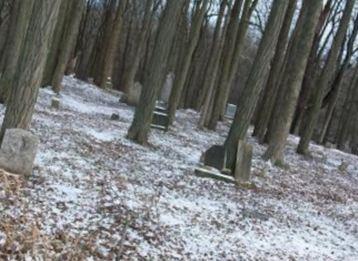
x=160 y=121
x=216 y=157
x=18 y=151
x=108 y=85
x=243 y=162
x=167 y=88
x=134 y=94
x=91 y=81
x=55 y=103
x=230 y=111
x=114 y=117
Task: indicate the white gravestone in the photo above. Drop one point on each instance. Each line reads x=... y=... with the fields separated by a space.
x=18 y=151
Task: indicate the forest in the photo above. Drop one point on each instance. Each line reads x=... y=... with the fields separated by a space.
x=178 y=130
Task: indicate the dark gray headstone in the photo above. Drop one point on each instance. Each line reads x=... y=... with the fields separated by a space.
x=216 y=157
x=114 y=117
x=243 y=162
x=160 y=121
x=55 y=103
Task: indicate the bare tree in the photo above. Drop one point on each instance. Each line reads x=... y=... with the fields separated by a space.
x=140 y=127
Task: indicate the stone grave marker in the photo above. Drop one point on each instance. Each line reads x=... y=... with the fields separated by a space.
x=114 y=117
x=216 y=157
x=167 y=88
x=18 y=151
x=160 y=121
x=108 y=85
x=243 y=162
x=230 y=111
x=91 y=80
x=55 y=103
x=134 y=94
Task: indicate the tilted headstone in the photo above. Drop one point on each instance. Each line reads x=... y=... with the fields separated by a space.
x=230 y=111
x=160 y=121
x=167 y=88
x=243 y=162
x=216 y=157
x=133 y=96
x=18 y=151
x=55 y=103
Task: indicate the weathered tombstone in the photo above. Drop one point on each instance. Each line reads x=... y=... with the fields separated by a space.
x=243 y=162
x=114 y=117
x=134 y=94
x=108 y=85
x=230 y=111
x=160 y=121
x=167 y=88
x=216 y=157
x=18 y=151
x=55 y=103
x=90 y=80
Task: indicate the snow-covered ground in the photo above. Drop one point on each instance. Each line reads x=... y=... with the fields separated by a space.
x=95 y=195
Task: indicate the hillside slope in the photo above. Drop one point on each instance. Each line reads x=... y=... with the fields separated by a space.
x=96 y=195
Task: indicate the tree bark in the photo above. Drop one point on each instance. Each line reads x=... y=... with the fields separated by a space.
x=20 y=16
x=133 y=68
x=293 y=76
x=212 y=65
x=68 y=42
x=251 y=92
x=318 y=93
x=273 y=82
x=332 y=96
x=230 y=63
x=111 y=47
x=29 y=69
x=185 y=65
x=140 y=127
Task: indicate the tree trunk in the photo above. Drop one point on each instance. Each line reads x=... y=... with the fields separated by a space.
x=273 y=82
x=20 y=16
x=55 y=44
x=31 y=62
x=231 y=62
x=132 y=70
x=318 y=93
x=293 y=76
x=111 y=47
x=212 y=65
x=184 y=67
x=140 y=127
x=68 y=42
x=332 y=97
x=312 y=69
x=251 y=92
x=348 y=113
